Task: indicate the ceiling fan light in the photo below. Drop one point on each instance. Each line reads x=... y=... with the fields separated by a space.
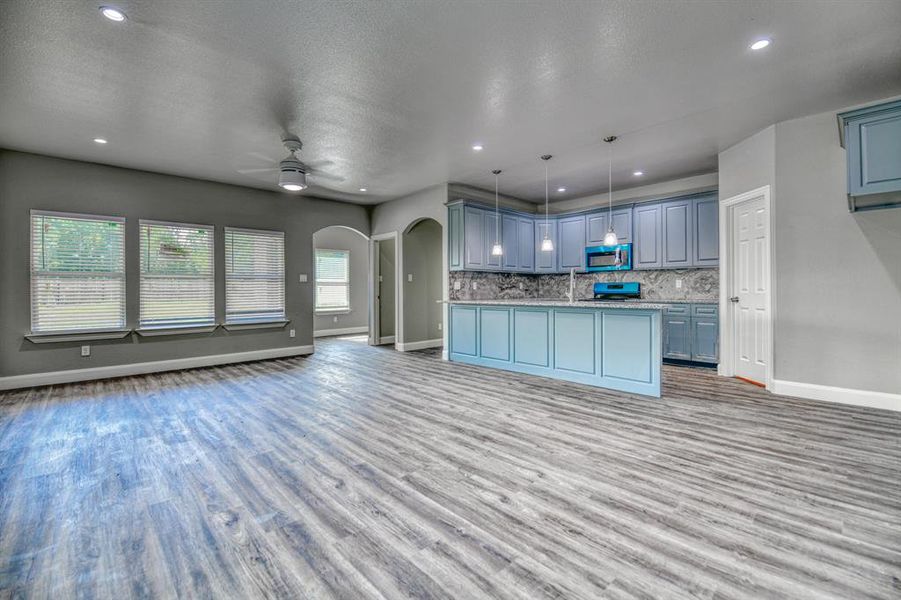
x=292 y=178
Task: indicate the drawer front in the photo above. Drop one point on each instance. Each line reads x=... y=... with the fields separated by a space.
x=678 y=309
x=705 y=310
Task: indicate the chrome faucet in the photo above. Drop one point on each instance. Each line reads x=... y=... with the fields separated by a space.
x=572 y=286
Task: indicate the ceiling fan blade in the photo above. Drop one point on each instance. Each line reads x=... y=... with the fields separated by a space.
x=323 y=175
x=263 y=170
x=318 y=164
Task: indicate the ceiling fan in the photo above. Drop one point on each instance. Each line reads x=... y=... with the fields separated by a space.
x=292 y=172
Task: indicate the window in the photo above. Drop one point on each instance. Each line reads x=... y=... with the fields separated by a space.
x=77 y=273
x=254 y=275
x=177 y=281
x=332 y=280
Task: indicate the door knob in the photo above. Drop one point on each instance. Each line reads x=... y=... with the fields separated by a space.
x=733 y=299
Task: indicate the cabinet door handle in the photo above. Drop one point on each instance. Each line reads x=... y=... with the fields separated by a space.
x=733 y=299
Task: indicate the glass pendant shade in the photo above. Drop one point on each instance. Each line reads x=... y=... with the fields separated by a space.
x=547 y=245
x=497 y=250
x=610 y=238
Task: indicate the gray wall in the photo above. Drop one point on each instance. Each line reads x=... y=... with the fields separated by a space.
x=837 y=301
x=388 y=272
x=342 y=238
x=30 y=181
x=838 y=274
x=422 y=260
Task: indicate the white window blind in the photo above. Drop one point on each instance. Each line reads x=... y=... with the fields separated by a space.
x=254 y=275
x=77 y=273
x=177 y=278
x=332 y=280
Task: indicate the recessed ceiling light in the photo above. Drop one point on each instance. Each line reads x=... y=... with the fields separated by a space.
x=638 y=173
x=362 y=189
x=561 y=189
x=112 y=13
x=761 y=44
x=99 y=141
x=477 y=147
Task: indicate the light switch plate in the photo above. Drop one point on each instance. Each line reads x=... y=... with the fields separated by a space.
x=440 y=326
x=292 y=333
x=678 y=283
x=410 y=277
x=85 y=350
x=303 y=278
x=381 y=279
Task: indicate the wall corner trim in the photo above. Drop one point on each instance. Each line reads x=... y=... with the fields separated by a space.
x=409 y=346
x=826 y=393
x=341 y=331
x=177 y=364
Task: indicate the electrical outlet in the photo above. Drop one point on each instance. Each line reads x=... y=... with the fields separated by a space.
x=457 y=286
x=302 y=278
x=334 y=319
x=292 y=333
x=678 y=283
x=475 y=285
x=410 y=277
x=440 y=326
x=85 y=350
x=381 y=279
x=521 y=286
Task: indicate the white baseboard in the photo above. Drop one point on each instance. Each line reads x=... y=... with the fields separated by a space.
x=342 y=331
x=813 y=391
x=71 y=375
x=420 y=345
x=388 y=339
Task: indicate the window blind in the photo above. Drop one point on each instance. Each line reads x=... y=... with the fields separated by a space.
x=177 y=278
x=254 y=275
x=332 y=279
x=77 y=273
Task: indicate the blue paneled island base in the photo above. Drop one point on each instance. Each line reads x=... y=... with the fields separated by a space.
x=610 y=345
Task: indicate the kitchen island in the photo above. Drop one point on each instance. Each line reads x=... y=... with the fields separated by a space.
x=614 y=345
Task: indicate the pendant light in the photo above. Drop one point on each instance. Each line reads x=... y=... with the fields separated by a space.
x=547 y=244
x=496 y=249
x=610 y=238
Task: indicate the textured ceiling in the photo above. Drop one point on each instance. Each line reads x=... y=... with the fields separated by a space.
x=394 y=94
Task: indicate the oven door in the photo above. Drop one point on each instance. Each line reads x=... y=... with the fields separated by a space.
x=609 y=258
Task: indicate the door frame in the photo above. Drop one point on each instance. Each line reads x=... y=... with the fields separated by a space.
x=726 y=365
x=374 y=250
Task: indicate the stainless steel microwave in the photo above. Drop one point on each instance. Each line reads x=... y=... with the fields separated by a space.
x=608 y=258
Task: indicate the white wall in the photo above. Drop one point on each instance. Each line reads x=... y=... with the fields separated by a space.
x=343 y=238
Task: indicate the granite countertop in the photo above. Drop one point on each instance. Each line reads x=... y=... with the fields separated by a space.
x=565 y=303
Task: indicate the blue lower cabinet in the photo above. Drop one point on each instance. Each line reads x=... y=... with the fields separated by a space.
x=677 y=337
x=574 y=341
x=464 y=330
x=705 y=338
x=613 y=348
x=532 y=337
x=494 y=333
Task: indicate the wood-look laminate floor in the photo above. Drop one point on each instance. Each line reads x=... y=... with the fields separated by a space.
x=362 y=472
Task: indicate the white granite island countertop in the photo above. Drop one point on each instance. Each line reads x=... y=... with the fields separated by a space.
x=564 y=303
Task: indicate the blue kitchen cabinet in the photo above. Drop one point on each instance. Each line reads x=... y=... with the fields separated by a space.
x=676 y=228
x=474 y=238
x=455 y=238
x=705 y=339
x=464 y=330
x=494 y=333
x=526 y=242
x=596 y=225
x=677 y=332
x=706 y=225
x=872 y=140
x=571 y=233
x=510 y=241
x=491 y=231
x=545 y=262
x=646 y=231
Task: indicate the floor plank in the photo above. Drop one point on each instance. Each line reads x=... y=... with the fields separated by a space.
x=361 y=472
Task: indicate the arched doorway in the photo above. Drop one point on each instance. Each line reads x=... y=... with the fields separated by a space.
x=422 y=286
x=341 y=280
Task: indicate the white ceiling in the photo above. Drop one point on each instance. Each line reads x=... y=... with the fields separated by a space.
x=395 y=93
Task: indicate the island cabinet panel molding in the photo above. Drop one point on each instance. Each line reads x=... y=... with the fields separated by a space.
x=77 y=273
x=177 y=275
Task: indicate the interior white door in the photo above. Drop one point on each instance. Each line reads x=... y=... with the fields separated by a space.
x=749 y=289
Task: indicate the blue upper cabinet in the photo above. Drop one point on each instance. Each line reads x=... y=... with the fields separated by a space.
x=676 y=225
x=491 y=232
x=510 y=240
x=705 y=212
x=571 y=233
x=526 y=242
x=622 y=224
x=872 y=140
x=474 y=238
x=545 y=262
x=596 y=225
x=646 y=230
x=455 y=237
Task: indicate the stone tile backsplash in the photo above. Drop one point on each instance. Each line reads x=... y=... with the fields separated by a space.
x=698 y=285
